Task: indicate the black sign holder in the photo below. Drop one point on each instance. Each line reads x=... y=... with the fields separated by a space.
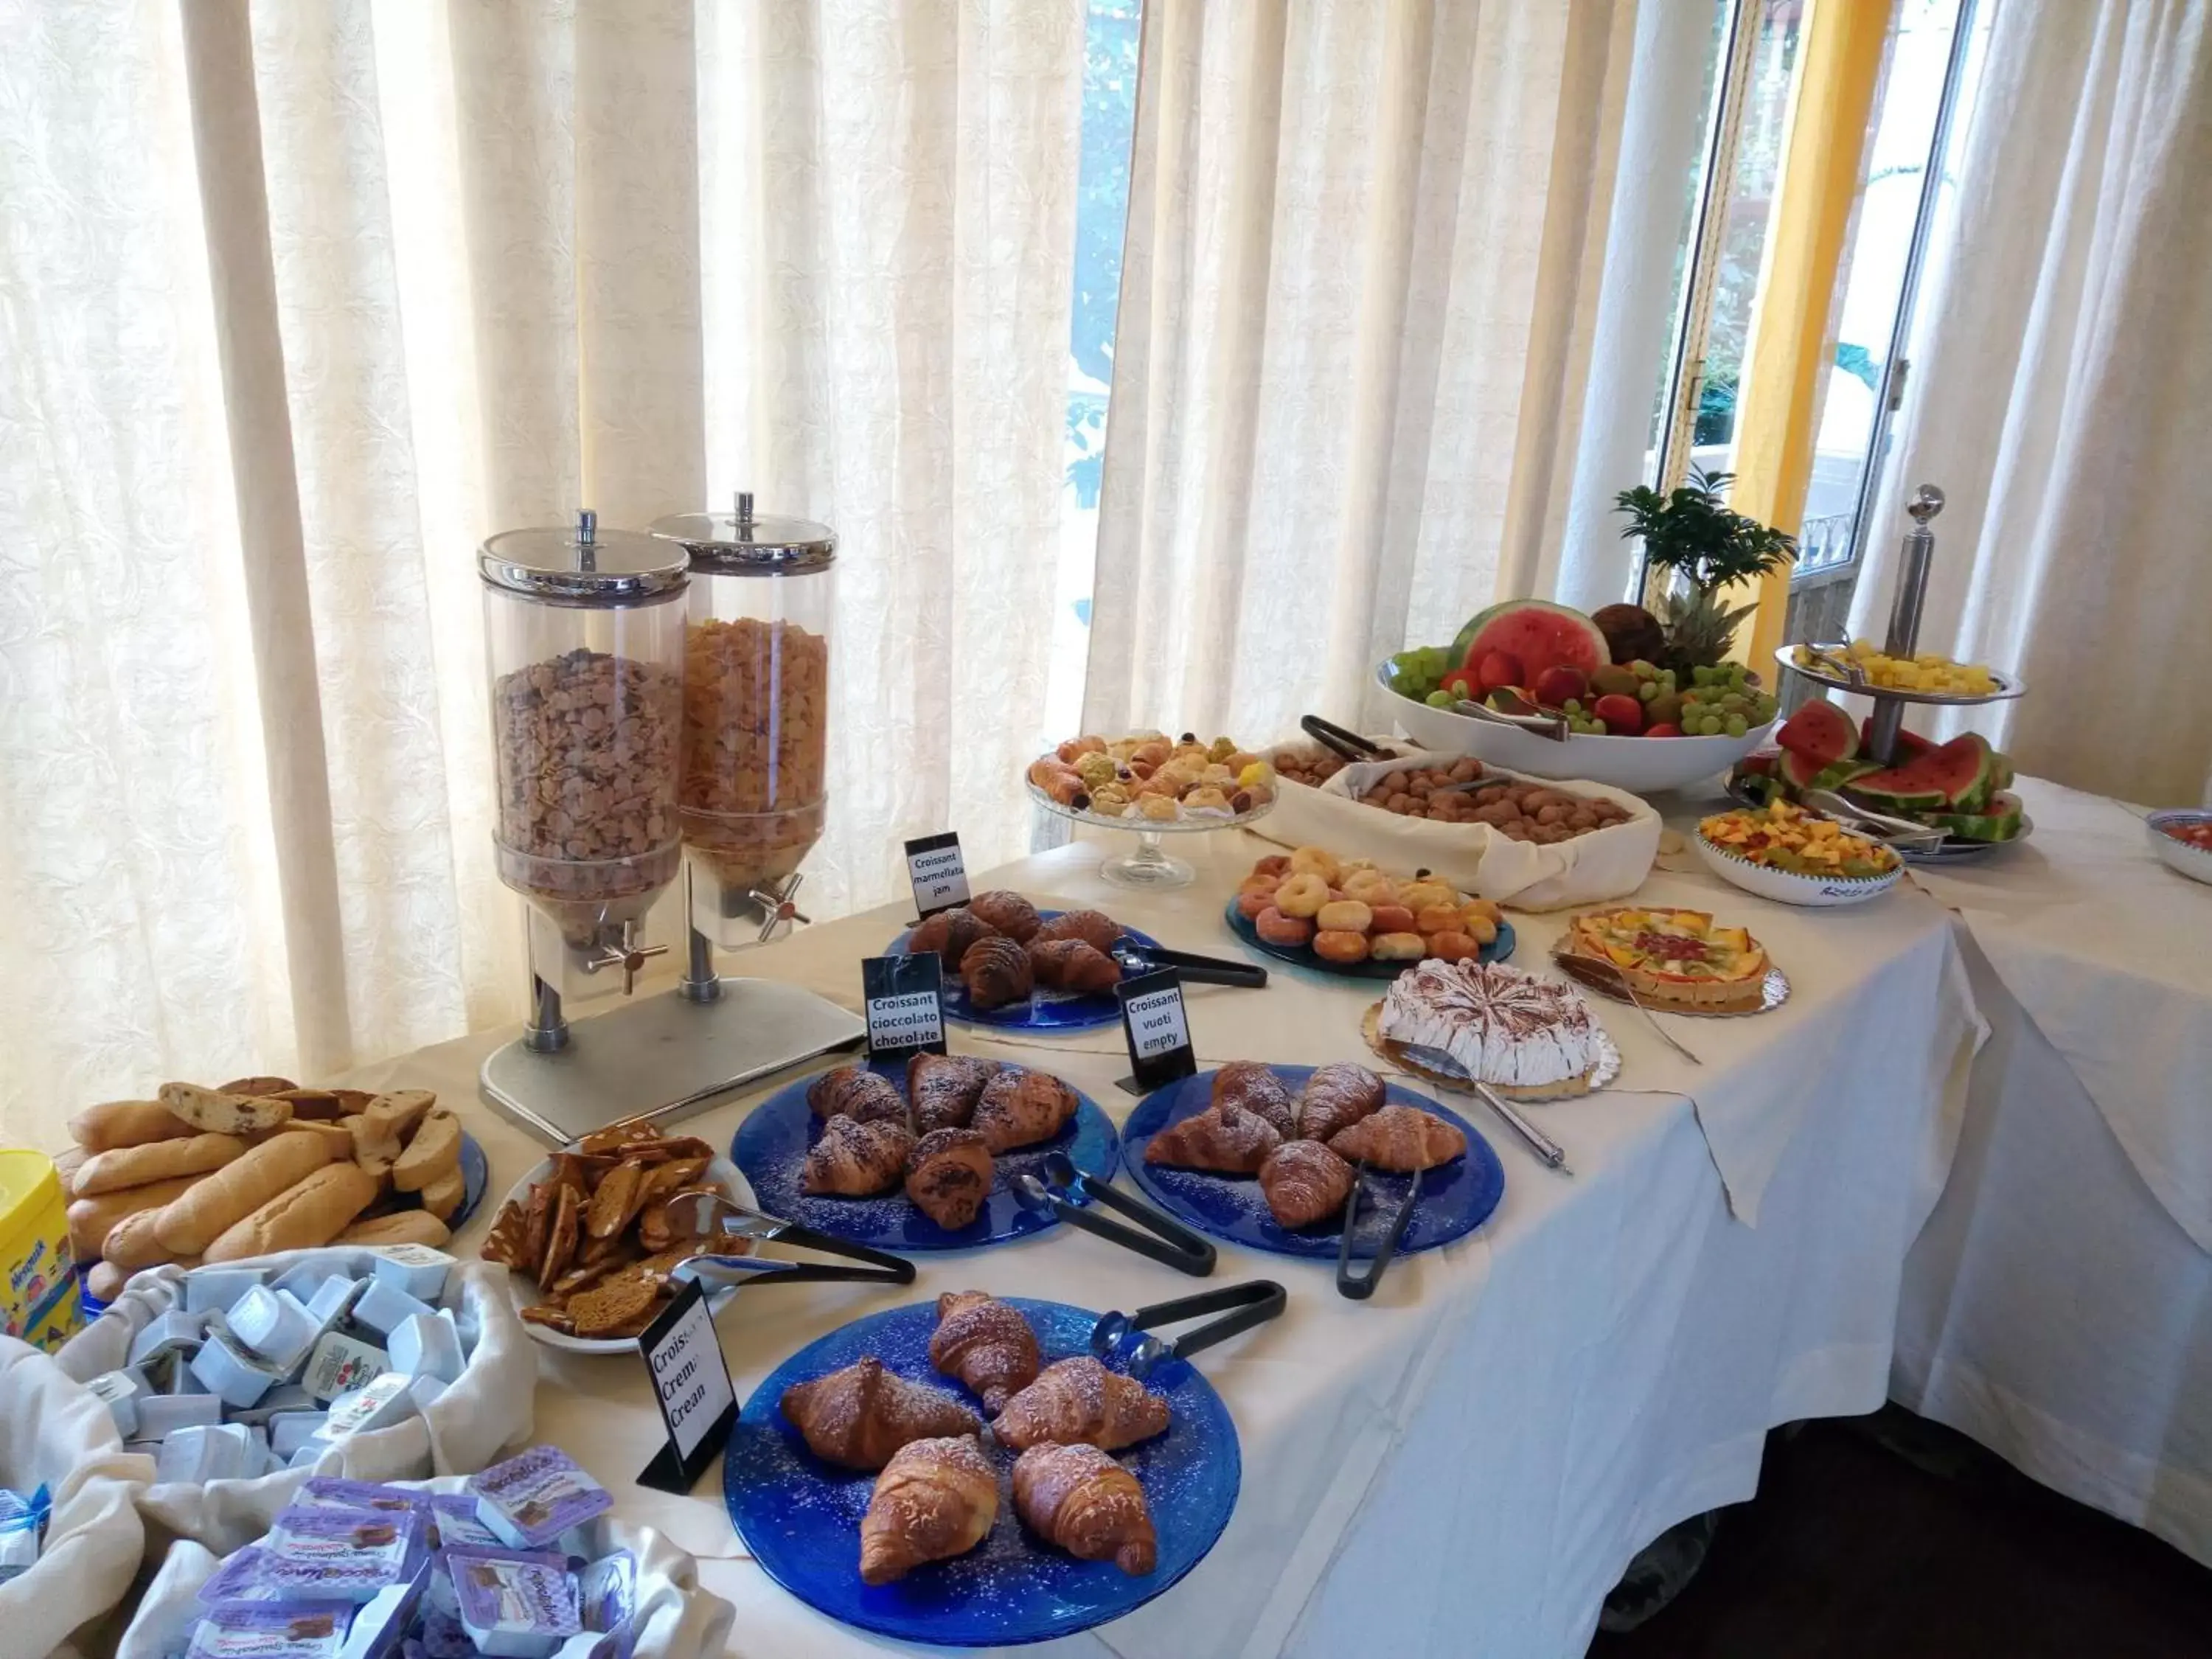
x=925 y=907
x=885 y=978
x=670 y=1470
x=1148 y=1071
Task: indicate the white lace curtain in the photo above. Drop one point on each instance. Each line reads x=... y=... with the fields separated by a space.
x=298 y=302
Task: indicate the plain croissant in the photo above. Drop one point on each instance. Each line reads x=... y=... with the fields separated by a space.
x=859 y=1416
x=1304 y=1183
x=1081 y=1500
x=1225 y=1139
x=1077 y=1400
x=1255 y=1087
x=986 y=1344
x=935 y=1499
x=1401 y=1138
x=1336 y=1097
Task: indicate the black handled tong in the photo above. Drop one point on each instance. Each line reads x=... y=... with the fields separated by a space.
x=1345 y=745
x=1125 y=1337
x=1356 y=1285
x=1195 y=969
x=1168 y=1240
x=710 y=1215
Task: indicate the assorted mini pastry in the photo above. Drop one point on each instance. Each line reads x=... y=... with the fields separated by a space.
x=1148 y=777
x=1530 y=1038
x=1669 y=958
x=1304 y=1148
x=1782 y=836
x=1520 y=809
x=938 y=1141
x=1003 y=952
x=937 y=1496
x=1345 y=910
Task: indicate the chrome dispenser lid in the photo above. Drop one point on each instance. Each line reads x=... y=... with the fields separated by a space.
x=741 y=543
x=582 y=564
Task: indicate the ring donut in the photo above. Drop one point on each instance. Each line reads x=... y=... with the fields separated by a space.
x=1344 y=916
x=1273 y=926
x=1336 y=944
x=1302 y=895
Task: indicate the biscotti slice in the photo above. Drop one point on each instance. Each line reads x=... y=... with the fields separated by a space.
x=400 y=1227
x=229 y=1115
x=432 y=1154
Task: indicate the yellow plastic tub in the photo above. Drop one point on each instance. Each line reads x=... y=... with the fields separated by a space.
x=39 y=1303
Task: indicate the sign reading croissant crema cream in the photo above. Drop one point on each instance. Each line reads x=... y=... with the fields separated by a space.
x=1156 y=1029
x=691 y=1386
x=904 y=1000
x=940 y=879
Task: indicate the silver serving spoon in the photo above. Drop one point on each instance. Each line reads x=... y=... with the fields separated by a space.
x=1612 y=976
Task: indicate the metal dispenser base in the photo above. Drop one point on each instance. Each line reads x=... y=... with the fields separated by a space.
x=664 y=1057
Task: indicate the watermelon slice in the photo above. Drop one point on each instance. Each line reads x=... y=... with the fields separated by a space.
x=1911 y=745
x=1802 y=771
x=1939 y=780
x=1537 y=633
x=1819 y=731
x=2001 y=821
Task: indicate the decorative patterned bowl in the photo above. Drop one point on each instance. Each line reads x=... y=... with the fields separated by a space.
x=1787 y=886
x=2194 y=862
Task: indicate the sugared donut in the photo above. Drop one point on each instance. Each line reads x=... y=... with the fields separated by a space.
x=1302 y=895
x=1335 y=945
x=1275 y=863
x=1393 y=919
x=1344 y=916
x=1253 y=900
x=1314 y=861
x=1273 y=926
x=1438 y=919
x=1371 y=887
x=1397 y=947
x=1452 y=947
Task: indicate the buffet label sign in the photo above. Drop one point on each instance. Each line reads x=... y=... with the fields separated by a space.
x=691 y=1385
x=940 y=879
x=1157 y=1029
x=904 y=998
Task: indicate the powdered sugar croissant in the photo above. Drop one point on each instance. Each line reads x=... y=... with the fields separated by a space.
x=1081 y=1500
x=935 y=1499
x=1079 y=1400
x=860 y=1415
x=1399 y=1138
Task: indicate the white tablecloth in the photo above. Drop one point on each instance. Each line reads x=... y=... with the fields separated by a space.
x=1465 y=1464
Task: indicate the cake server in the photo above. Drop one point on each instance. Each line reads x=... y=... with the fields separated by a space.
x=1606 y=974
x=1548 y=1152
x=1167 y=1240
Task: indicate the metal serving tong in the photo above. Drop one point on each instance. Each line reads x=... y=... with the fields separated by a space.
x=1527 y=718
x=1548 y=1152
x=706 y=1214
x=1195 y=969
x=1345 y=745
x=1123 y=1337
x=1169 y=1241
x=1360 y=1285
x=1897 y=832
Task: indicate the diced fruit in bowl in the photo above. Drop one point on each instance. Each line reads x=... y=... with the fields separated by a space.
x=1784 y=836
x=2182 y=841
x=2198 y=835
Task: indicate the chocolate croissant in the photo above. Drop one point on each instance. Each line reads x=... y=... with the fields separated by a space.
x=944 y=1089
x=1069 y=965
x=996 y=972
x=1080 y=1399
x=1255 y=1087
x=1401 y=1138
x=986 y=1344
x=935 y=1499
x=1224 y=1138
x=1081 y=1500
x=1009 y=913
x=856 y=1092
x=949 y=1174
x=851 y=1159
x=950 y=933
x=1019 y=1108
x=1304 y=1183
x=1336 y=1098
x=859 y=1416
x=1094 y=927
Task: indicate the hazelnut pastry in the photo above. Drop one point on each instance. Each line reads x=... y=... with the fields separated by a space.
x=948 y=1176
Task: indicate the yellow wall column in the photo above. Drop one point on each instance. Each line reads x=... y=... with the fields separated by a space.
x=1843 y=42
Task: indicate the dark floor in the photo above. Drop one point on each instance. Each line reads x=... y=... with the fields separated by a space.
x=1889 y=1536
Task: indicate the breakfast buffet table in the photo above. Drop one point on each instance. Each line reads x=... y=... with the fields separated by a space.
x=1465 y=1463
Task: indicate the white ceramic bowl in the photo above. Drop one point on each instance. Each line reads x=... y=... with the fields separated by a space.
x=2194 y=862
x=522 y=1291
x=1787 y=886
x=1638 y=765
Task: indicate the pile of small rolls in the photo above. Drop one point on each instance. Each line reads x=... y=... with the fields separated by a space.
x=1347 y=910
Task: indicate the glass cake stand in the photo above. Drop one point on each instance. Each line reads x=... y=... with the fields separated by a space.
x=1148 y=864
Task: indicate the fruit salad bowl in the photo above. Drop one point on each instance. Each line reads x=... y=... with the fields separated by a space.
x=1637 y=765
x=2165 y=832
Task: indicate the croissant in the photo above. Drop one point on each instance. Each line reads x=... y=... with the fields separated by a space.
x=859 y=1416
x=1061 y=781
x=856 y=1160
x=935 y=1499
x=1094 y=927
x=986 y=1344
x=1069 y=965
x=996 y=972
x=1020 y=1107
x=856 y=1092
x=949 y=933
x=948 y=1176
x=1080 y=1399
x=1225 y=1139
x=1336 y=1098
x=1009 y=913
x=944 y=1089
x=1081 y=1500
x=1255 y=1087
x=1401 y=1138
x=1304 y=1183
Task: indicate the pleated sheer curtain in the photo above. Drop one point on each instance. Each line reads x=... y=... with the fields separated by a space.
x=2063 y=392
x=299 y=302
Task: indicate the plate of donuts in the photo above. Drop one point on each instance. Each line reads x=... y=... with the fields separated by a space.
x=1310 y=909
x=875 y=1182
x=804 y=1515
x=1033 y=971
x=1222 y=1163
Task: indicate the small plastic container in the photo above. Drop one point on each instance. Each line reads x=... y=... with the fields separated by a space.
x=39 y=1303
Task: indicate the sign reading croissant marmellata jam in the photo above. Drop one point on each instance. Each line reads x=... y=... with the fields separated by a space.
x=940 y=879
x=691 y=1386
x=903 y=1001
x=1158 y=1031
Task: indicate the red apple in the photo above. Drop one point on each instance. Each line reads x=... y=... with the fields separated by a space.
x=1560 y=684
x=1623 y=716
x=1497 y=668
x=1664 y=729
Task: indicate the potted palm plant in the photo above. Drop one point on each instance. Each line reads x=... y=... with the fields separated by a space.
x=1703 y=545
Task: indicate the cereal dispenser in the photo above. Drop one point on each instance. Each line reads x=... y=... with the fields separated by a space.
x=585 y=633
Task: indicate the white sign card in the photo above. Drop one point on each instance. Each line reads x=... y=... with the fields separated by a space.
x=691 y=1385
x=1156 y=1029
x=940 y=879
x=903 y=999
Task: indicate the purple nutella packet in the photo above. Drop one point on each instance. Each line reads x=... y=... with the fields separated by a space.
x=443 y=1637
x=454 y=1524
x=327 y=1492
x=532 y=1499
x=513 y=1605
x=271 y=1630
x=239 y=1579
x=342 y=1555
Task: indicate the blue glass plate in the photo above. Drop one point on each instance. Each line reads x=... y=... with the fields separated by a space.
x=1303 y=955
x=1456 y=1197
x=800 y=1518
x=1045 y=1010
x=771 y=1147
